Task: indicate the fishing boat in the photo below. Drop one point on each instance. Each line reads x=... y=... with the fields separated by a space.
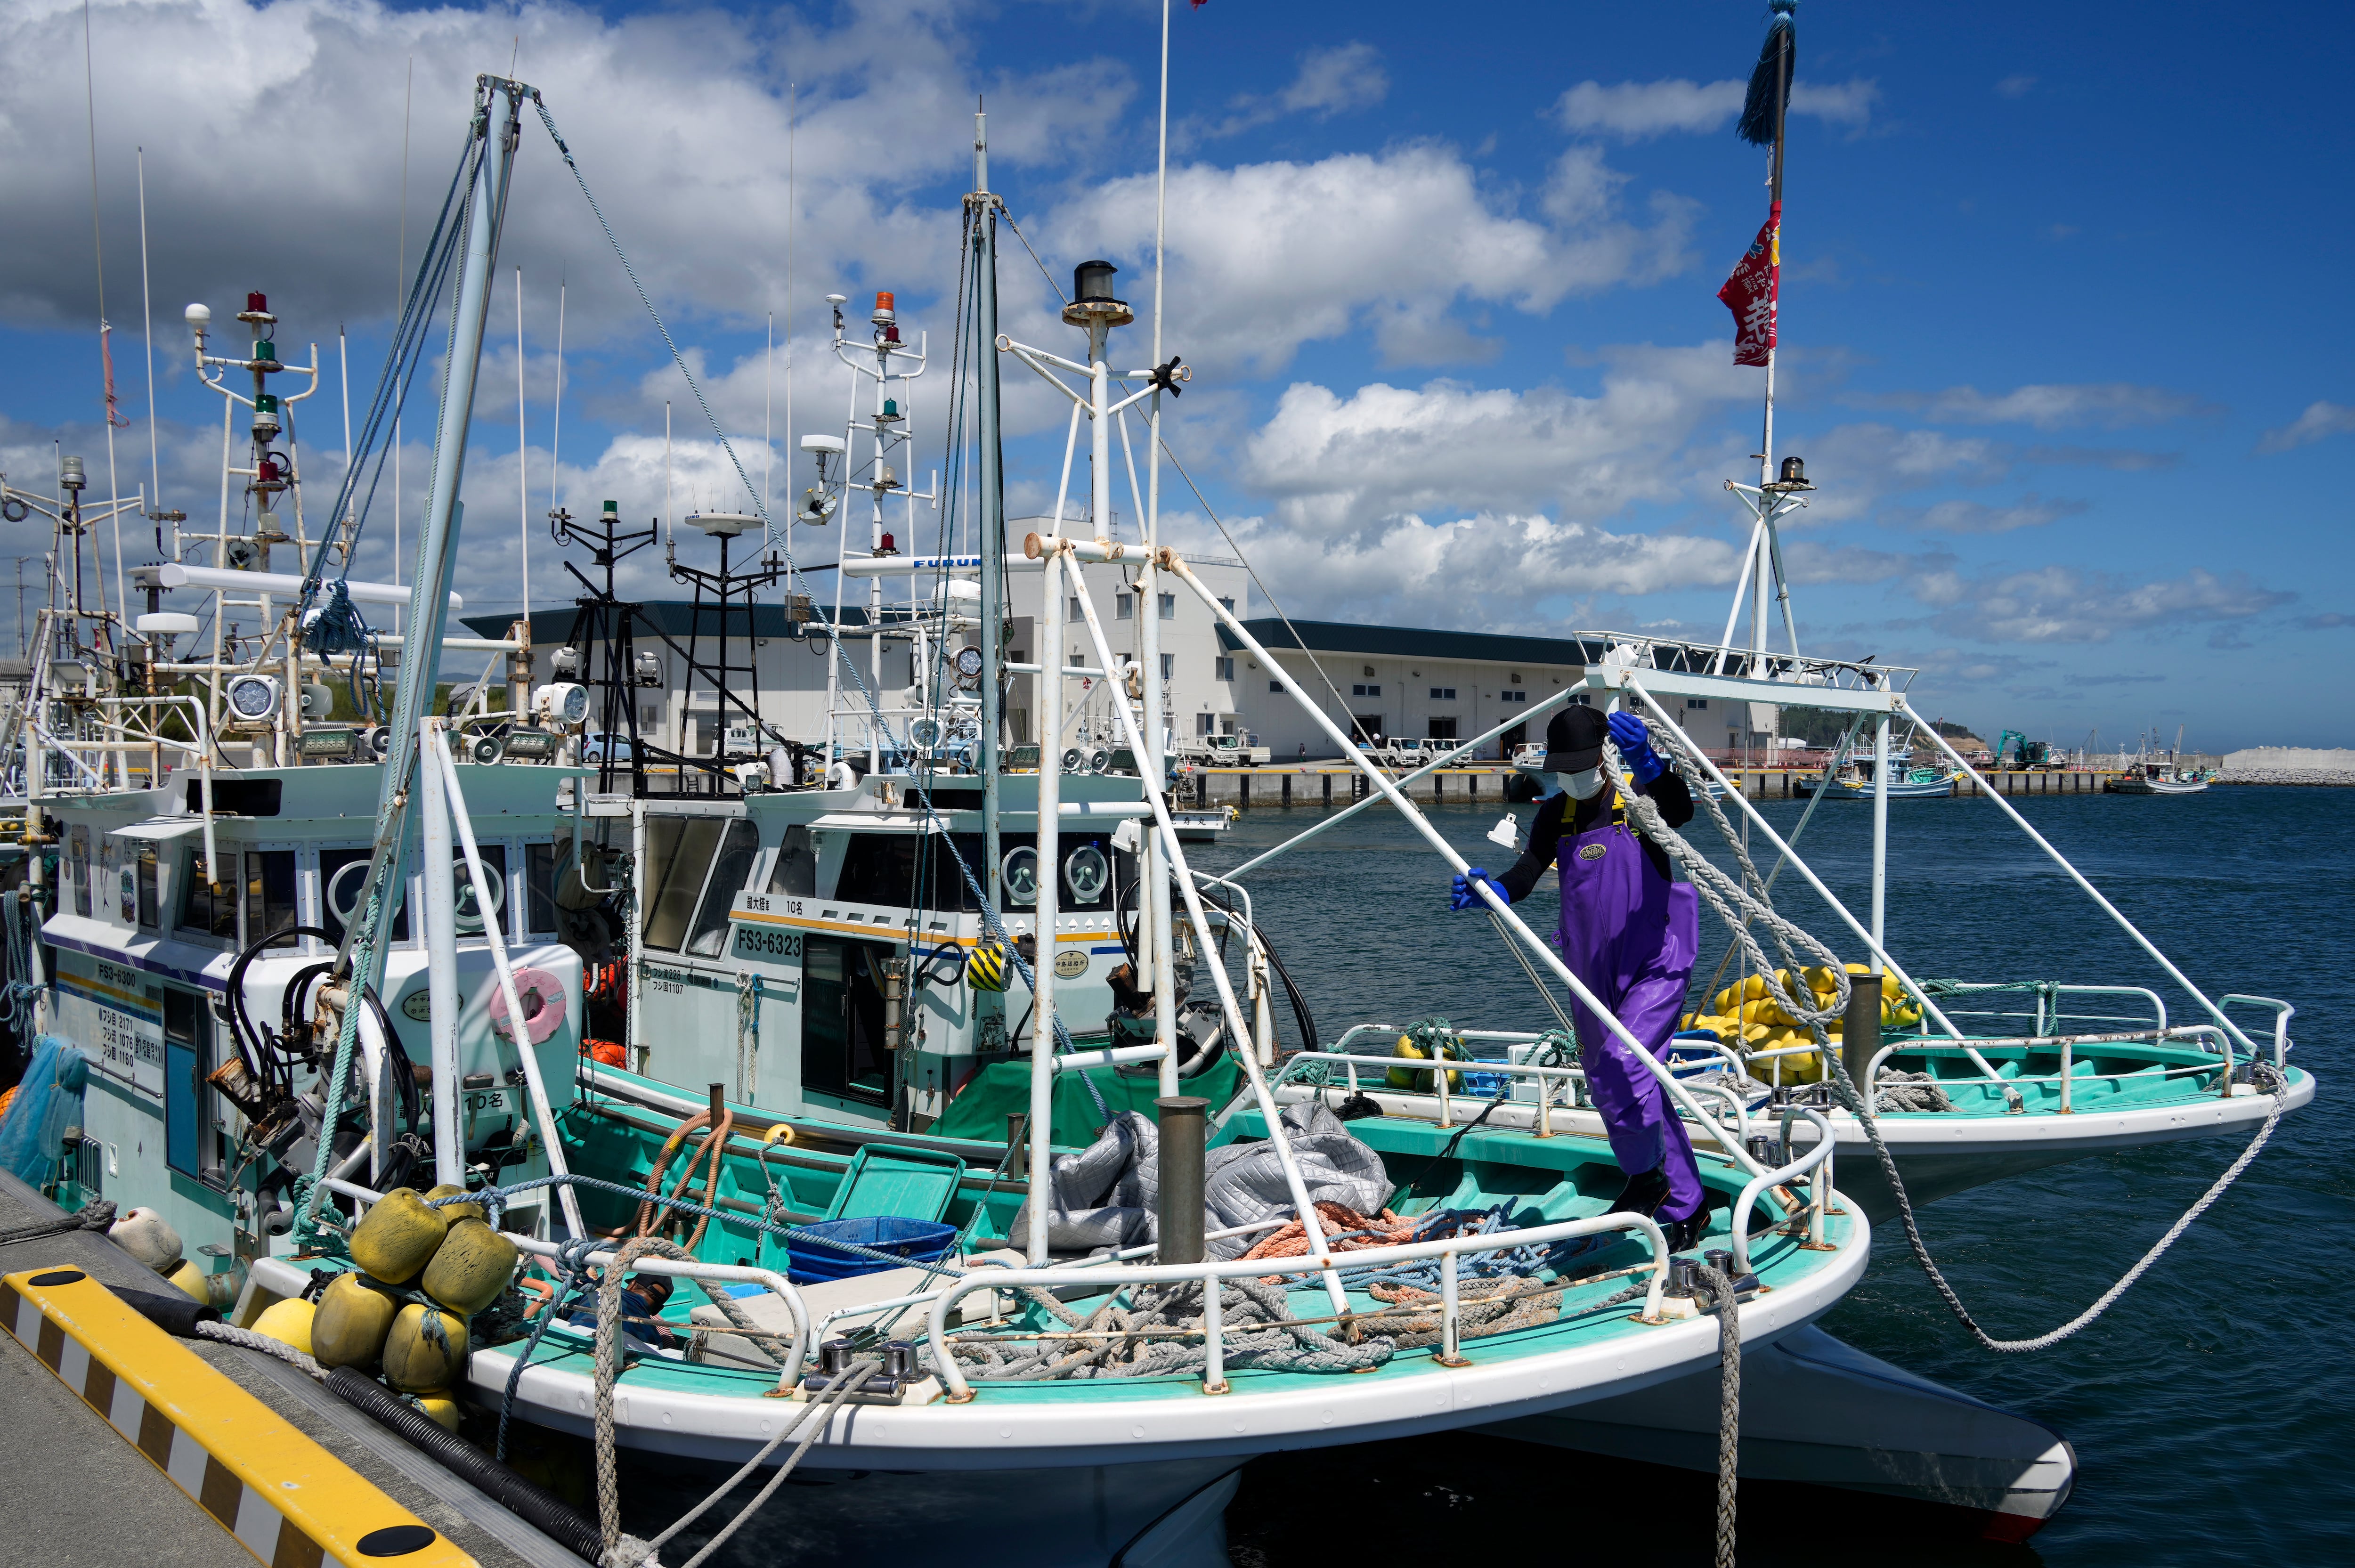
x=1856 y=783
x=837 y=1009
x=2157 y=778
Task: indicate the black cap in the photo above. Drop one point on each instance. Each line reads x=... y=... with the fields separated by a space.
x=1574 y=740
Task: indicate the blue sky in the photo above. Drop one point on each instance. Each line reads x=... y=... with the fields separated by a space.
x=2066 y=330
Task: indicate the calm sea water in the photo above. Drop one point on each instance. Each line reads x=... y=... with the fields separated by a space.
x=2208 y=1409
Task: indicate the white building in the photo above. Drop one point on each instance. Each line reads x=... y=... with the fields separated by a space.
x=1405 y=681
x=790 y=660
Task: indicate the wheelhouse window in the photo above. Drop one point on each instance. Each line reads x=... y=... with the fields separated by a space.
x=794 y=871
x=146 y=888
x=269 y=892
x=202 y=908
x=678 y=853
x=77 y=856
x=730 y=869
x=343 y=882
x=542 y=865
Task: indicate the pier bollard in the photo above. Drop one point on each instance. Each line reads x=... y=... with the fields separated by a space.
x=1018 y=1125
x=1184 y=1127
x=1861 y=1027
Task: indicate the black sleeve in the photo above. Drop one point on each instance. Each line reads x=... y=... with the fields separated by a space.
x=1673 y=796
x=1545 y=833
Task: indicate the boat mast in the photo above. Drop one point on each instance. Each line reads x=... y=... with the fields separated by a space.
x=1153 y=873
x=990 y=519
x=437 y=544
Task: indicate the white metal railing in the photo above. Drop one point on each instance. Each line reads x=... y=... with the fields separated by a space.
x=2208 y=1034
x=1211 y=1273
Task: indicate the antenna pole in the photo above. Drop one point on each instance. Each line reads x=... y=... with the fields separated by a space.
x=1155 y=871
x=989 y=513
x=147 y=331
x=523 y=459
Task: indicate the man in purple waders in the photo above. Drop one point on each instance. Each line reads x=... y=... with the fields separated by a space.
x=1630 y=934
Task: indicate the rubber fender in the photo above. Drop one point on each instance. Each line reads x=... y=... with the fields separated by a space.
x=349 y=1328
x=533 y=1503
x=148 y=1237
x=425 y=1350
x=472 y=1267
x=191 y=1277
x=397 y=1237
x=174 y=1313
x=288 y=1322
x=608 y=1051
x=1418 y=1082
x=453 y=1212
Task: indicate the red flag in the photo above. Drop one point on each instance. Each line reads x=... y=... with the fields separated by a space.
x=1753 y=290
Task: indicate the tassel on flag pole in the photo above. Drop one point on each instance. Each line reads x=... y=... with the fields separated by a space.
x=1753 y=291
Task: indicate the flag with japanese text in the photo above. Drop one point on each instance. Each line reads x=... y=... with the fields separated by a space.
x=1753 y=290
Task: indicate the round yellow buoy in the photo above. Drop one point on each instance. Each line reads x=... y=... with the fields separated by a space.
x=453 y=1212
x=288 y=1322
x=397 y=1237
x=426 y=1350
x=349 y=1327
x=441 y=1409
x=782 y=1134
x=189 y=1279
x=472 y=1267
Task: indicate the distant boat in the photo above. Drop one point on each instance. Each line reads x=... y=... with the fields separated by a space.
x=1914 y=783
x=1202 y=827
x=2159 y=778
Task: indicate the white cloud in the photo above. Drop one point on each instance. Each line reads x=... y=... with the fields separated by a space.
x=1334 y=80
x=2320 y=422
x=2109 y=405
x=2065 y=604
x=1266 y=257
x=1638 y=111
x=2018 y=86
x=1958 y=516
x=273 y=148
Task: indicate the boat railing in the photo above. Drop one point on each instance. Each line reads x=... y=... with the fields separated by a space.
x=1815 y=1166
x=1296 y=1071
x=2281 y=1011
x=2208 y=1035
x=1211 y=1273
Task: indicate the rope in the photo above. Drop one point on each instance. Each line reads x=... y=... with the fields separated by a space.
x=814 y=1417
x=1646 y=814
x=95 y=1216
x=1729 y=1404
x=228 y=1334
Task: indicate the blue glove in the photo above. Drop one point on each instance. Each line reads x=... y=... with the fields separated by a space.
x=1463 y=896
x=1634 y=743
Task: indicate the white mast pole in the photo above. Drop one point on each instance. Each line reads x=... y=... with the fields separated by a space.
x=1155 y=872
x=147 y=332
x=523 y=459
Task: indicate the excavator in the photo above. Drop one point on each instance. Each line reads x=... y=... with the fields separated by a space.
x=2015 y=750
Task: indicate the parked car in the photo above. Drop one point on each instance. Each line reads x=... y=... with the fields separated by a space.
x=600 y=747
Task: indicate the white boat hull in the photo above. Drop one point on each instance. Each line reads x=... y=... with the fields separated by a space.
x=1816 y=1411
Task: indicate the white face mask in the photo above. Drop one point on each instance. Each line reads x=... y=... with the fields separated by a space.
x=1583 y=785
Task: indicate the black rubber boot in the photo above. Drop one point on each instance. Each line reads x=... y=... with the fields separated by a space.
x=1683 y=1235
x=1644 y=1193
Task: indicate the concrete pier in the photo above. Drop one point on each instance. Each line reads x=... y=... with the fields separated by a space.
x=87 y=1495
x=1323 y=785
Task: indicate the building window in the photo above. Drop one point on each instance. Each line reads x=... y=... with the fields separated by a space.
x=1509 y=697
x=1124 y=608
x=1439 y=729
x=1226 y=603
x=1363 y=689
x=1169 y=606
x=1442 y=694
x=1226 y=668
x=1168 y=666
x=1275 y=686
x=1582 y=701
x=1696 y=704
x=1205 y=724
x=1077 y=658
x=1226 y=724
x=1075 y=614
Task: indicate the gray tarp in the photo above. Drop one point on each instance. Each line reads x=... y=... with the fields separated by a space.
x=1107 y=1194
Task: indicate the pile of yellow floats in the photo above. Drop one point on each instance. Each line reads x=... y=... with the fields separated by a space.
x=423 y=1273
x=1748 y=1018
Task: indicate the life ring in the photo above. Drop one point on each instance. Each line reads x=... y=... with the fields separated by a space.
x=542 y=994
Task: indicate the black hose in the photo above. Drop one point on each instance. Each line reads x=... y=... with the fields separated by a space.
x=529 y=1501
x=412 y=1099
x=247 y=1038
x=173 y=1313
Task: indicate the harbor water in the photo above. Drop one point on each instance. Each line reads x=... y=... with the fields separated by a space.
x=2205 y=1408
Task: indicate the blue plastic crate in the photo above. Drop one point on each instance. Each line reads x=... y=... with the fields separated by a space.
x=814 y=1261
